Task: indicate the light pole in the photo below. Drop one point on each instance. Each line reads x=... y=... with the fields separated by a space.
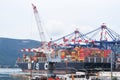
x=111 y=65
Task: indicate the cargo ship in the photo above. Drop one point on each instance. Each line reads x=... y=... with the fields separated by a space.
x=72 y=59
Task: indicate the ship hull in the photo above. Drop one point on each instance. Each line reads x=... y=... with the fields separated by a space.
x=63 y=66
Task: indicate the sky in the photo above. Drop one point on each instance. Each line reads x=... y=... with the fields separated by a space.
x=58 y=17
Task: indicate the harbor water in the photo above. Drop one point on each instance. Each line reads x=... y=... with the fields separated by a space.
x=5 y=73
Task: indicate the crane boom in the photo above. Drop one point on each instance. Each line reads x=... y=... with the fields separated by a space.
x=44 y=47
x=38 y=21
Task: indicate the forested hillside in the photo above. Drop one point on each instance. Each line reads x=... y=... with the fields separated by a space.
x=10 y=50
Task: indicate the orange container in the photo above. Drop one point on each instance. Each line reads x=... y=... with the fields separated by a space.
x=63 y=55
x=107 y=53
x=81 y=57
x=51 y=78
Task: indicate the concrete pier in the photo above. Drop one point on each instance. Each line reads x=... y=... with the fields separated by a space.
x=103 y=75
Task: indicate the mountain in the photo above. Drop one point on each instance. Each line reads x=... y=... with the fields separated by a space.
x=10 y=49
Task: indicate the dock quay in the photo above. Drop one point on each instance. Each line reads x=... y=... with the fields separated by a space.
x=103 y=75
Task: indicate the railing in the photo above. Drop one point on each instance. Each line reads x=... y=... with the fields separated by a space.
x=97 y=60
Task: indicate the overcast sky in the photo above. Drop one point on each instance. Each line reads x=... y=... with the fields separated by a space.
x=58 y=17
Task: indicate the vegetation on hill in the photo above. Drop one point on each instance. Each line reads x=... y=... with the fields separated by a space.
x=10 y=50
